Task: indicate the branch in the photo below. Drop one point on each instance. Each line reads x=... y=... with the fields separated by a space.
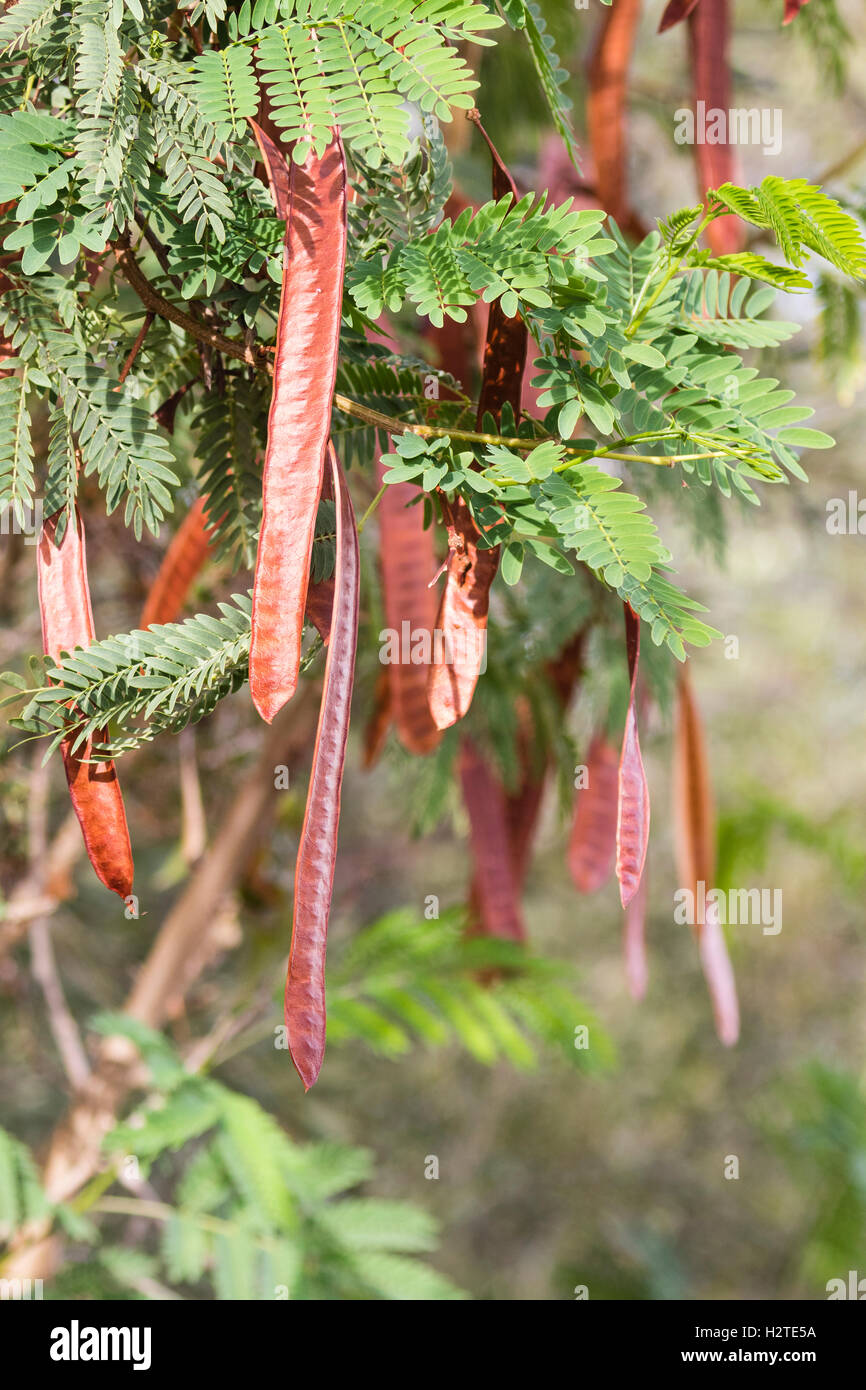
x=257 y=355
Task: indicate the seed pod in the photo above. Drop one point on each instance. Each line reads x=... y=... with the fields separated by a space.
x=634 y=941
x=187 y=553
x=675 y=11
x=523 y=805
x=592 y=846
x=314 y=870
x=607 y=110
x=693 y=813
x=695 y=853
x=462 y=619
x=408 y=563
x=304 y=373
x=709 y=31
x=633 y=812
x=719 y=975
x=792 y=9
x=494 y=882
x=378 y=721
x=67 y=622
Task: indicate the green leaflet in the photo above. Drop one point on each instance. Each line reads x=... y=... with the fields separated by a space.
x=353 y=66
x=603 y=525
x=803 y=219
x=501 y=252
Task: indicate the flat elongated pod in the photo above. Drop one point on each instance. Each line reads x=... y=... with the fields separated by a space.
x=607 y=108
x=185 y=557
x=633 y=811
x=592 y=845
x=719 y=975
x=709 y=32
x=465 y=603
x=494 y=886
x=695 y=853
x=634 y=941
x=522 y=806
x=674 y=12
x=305 y=368
x=314 y=870
x=408 y=563
x=693 y=812
x=461 y=625
x=67 y=622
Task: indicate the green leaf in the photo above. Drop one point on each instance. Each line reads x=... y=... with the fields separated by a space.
x=806 y=438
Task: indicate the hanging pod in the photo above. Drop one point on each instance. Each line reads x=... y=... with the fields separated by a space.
x=461 y=624
x=314 y=869
x=495 y=895
x=408 y=563
x=592 y=845
x=633 y=809
x=67 y=622
x=312 y=199
x=182 y=562
x=695 y=855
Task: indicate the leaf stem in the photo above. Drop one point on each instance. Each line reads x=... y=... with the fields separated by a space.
x=372 y=507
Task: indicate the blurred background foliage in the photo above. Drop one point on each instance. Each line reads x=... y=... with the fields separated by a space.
x=610 y=1173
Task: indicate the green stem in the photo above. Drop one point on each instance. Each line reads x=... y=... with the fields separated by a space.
x=372 y=507
x=666 y=278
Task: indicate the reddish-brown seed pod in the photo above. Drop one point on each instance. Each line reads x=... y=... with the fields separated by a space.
x=607 y=109
x=185 y=557
x=276 y=165
x=719 y=975
x=461 y=624
x=792 y=9
x=693 y=813
x=408 y=563
x=314 y=870
x=592 y=846
x=67 y=622
x=495 y=889
x=633 y=811
x=709 y=31
x=305 y=367
x=675 y=11
x=319 y=606
x=695 y=853
x=523 y=805
x=378 y=721
x=634 y=941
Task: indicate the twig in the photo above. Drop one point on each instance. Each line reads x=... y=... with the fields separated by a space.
x=42 y=962
x=64 y=1029
x=135 y=349
x=256 y=355
x=194 y=825
x=30 y=899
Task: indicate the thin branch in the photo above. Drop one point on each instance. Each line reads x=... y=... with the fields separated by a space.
x=261 y=357
x=64 y=1029
x=135 y=349
x=43 y=964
